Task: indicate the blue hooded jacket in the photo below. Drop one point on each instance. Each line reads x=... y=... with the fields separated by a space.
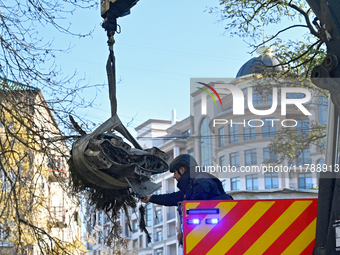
x=194 y=186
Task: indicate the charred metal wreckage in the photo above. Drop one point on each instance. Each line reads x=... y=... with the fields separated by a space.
x=105 y=160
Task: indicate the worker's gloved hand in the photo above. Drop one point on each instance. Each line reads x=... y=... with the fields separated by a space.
x=146 y=199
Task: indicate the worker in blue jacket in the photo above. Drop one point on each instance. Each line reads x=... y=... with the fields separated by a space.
x=192 y=185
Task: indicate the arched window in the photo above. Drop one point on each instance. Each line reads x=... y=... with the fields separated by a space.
x=323 y=110
x=205 y=143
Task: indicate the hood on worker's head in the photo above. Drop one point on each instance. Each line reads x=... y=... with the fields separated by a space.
x=185 y=160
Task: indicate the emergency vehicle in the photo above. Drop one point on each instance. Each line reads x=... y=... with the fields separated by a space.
x=277 y=226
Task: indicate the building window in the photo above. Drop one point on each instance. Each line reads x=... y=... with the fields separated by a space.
x=224 y=185
x=268 y=128
x=106 y=232
x=105 y=218
x=304 y=157
x=134 y=226
x=205 y=143
x=222 y=161
x=100 y=237
x=159 y=236
x=171 y=213
x=268 y=155
x=257 y=98
x=295 y=96
x=302 y=127
x=235 y=183
x=323 y=110
x=158 y=218
x=148 y=215
x=127 y=230
x=185 y=134
x=221 y=137
x=271 y=180
x=140 y=241
x=234 y=159
x=245 y=98
x=100 y=218
x=250 y=156
x=249 y=131
x=305 y=181
x=30 y=104
x=233 y=133
x=251 y=182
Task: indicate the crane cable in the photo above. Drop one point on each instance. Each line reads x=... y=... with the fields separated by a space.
x=111 y=75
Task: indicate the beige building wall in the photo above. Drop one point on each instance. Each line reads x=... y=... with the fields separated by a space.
x=60 y=214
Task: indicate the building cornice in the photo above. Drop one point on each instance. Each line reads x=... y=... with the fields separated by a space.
x=150 y=121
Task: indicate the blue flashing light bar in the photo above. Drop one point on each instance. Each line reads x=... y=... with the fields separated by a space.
x=193 y=221
x=204 y=211
x=212 y=221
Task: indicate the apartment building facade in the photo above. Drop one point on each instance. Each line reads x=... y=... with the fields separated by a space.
x=33 y=176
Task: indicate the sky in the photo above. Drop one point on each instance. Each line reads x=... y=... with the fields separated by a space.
x=161 y=46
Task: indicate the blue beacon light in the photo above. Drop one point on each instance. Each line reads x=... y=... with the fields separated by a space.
x=193 y=221
x=212 y=221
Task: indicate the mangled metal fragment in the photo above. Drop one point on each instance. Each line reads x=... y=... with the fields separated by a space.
x=107 y=161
